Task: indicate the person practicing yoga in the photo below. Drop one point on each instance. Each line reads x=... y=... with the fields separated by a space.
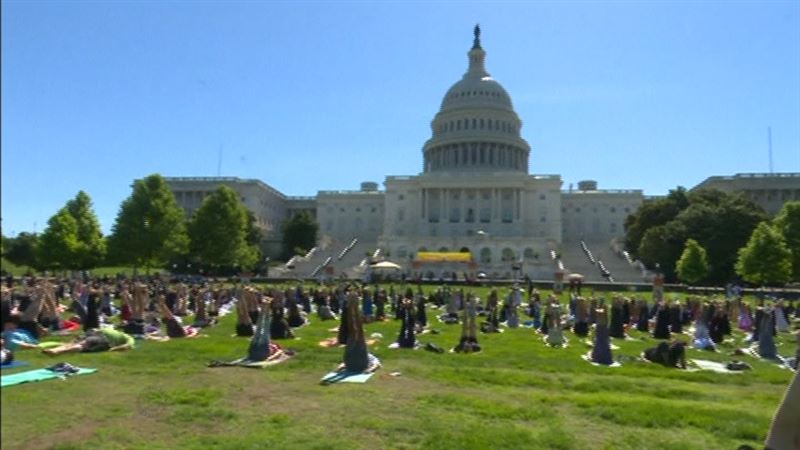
x=661 y=330
x=261 y=348
x=175 y=328
x=513 y=302
x=324 y=311
x=669 y=355
x=555 y=335
x=15 y=337
x=356 y=357
x=100 y=340
x=581 y=325
x=296 y=318
x=407 y=336
x=492 y=323
x=244 y=323
x=279 y=326
x=601 y=350
x=469 y=329
x=30 y=306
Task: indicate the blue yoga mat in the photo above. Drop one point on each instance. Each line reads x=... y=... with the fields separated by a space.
x=13 y=364
x=31 y=376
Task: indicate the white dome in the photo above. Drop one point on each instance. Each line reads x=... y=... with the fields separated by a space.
x=476 y=127
x=476 y=92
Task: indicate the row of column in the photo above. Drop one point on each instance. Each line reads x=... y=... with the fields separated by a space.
x=475 y=155
x=501 y=209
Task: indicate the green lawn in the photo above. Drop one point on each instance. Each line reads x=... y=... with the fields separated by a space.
x=517 y=393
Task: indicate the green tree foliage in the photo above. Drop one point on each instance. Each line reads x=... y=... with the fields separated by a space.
x=21 y=250
x=765 y=260
x=693 y=265
x=788 y=224
x=299 y=233
x=254 y=235
x=652 y=214
x=59 y=245
x=220 y=232
x=150 y=227
x=91 y=245
x=721 y=223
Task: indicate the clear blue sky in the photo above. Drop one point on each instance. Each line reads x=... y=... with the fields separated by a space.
x=321 y=95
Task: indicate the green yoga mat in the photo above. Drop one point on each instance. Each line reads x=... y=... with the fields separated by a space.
x=31 y=376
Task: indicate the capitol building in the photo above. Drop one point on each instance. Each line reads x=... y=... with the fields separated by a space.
x=475 y=195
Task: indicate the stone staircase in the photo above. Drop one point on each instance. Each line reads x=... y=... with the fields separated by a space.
x=598 y=255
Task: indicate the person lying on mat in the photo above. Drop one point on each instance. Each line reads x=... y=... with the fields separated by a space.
x=100 y=340
x=174 y=327
x=15 y=337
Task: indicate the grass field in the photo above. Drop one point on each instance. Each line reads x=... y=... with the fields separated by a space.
x=517 y=393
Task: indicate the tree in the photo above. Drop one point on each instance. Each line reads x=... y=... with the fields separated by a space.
x=299 y=233
x=765 y=260
x=693 y=265
x=150 y=227
x=652 y=214
x=720 y=222
x=662 y=245
x=91 y=245
x=220 y=230
x=787 y=223
x=21 y=250
x=58 y=245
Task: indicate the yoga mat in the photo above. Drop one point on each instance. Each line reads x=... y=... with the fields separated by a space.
x=343 y=377
x=13 y=364
x=244 y=362
x=37 y=375
x=588 y=358
x=50 y=344
x=714 y=366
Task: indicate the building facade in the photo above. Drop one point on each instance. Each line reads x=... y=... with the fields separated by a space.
x=475 y=192
x=767 y=190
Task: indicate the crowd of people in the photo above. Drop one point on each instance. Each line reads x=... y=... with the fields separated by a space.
x=114 y=312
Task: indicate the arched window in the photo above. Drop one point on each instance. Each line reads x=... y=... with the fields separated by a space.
x=529 y=254
x=486 y=255
x=508 y=255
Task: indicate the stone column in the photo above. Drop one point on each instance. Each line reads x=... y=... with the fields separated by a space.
x=444 y=205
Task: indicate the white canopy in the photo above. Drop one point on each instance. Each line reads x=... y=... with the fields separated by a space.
x=386 y=265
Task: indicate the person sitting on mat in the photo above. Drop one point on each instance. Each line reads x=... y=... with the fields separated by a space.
x=103 y=339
